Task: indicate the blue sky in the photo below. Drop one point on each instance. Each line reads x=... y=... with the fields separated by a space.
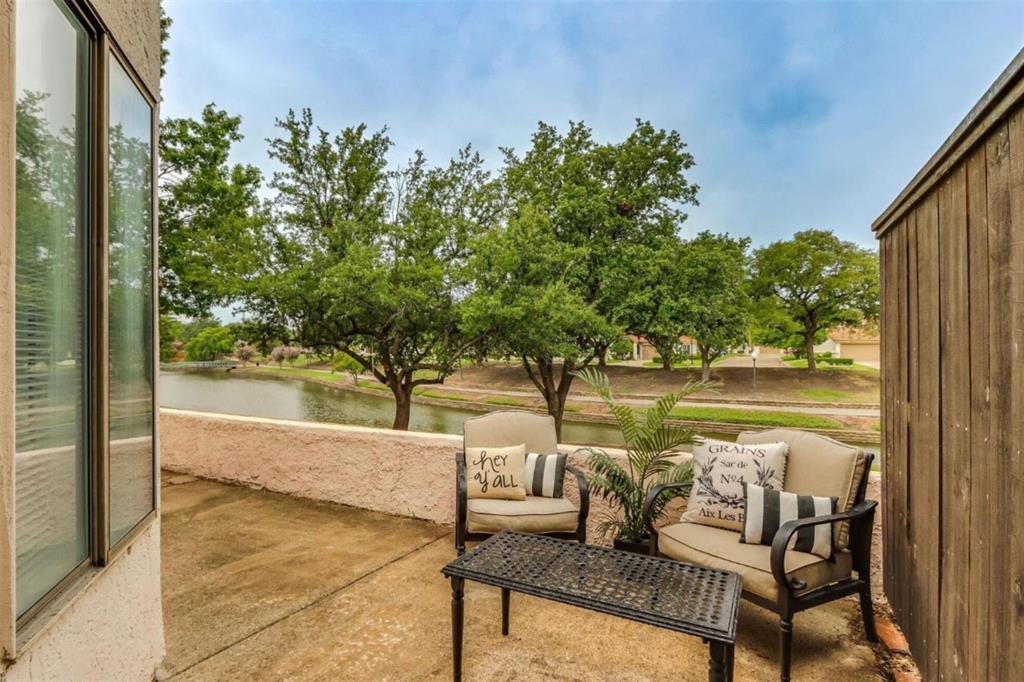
x=799 y=115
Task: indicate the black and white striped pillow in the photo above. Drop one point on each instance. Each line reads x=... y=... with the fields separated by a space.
x=544 y=475
x=765 y=510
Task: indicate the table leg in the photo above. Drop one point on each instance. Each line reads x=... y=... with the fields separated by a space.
x=730 y=661
x=457 y=608
x=717 y=664
x=506 y=596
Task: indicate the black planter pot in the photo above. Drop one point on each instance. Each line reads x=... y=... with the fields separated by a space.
x=641 y=547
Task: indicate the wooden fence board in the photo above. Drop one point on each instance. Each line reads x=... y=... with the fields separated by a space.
x=1015 y=424
x=925 y=479
x=997 y=154
x=956 y=415
x=977 y=268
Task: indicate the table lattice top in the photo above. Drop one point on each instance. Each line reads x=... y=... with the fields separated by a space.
x=669 y=594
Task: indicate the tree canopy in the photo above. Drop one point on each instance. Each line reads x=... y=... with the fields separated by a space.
x=813 y=282
x=372 y=262
x=210 y=213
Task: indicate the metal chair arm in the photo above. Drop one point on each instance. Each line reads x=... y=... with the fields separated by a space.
x=652 y=497
x=780 y=543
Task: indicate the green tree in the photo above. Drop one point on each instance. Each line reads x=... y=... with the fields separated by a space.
x=260 y=334
x=372 y=262
x=210 y=214
x=604 y=198
x=343 y=362
x=171 y=330
x=210 y=344
x=165 y=35
x=712 y=273
x=651 y=305
x=579 y=208
x=525 y=299
x=817 y=281
x=192 y=327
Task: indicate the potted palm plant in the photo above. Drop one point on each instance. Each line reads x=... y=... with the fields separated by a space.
x=652 y=449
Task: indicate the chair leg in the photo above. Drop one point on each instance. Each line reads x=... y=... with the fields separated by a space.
x=868 y=612
x=581 y=534
x=460 y=540
x=785 y=646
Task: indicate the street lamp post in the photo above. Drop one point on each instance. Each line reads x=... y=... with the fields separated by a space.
x=753 y=357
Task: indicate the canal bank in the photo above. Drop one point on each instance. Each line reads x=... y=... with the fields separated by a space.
x=261 y=395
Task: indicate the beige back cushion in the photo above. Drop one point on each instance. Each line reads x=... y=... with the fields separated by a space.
x=510 y=427
x=818 y=466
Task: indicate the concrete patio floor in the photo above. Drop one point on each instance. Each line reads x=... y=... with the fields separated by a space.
x=262 y=586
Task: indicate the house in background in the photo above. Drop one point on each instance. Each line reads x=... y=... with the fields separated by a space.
x=643 y=350
x=80 y=538
x=861 y=344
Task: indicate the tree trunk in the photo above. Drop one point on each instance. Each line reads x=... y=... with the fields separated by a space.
x=403 y=405
x=705 y=363
x=666 y=361
x=556 y=409
x=602 y=356
x=809 y=350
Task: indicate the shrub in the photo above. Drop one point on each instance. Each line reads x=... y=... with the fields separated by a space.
x=244 y=352
x=837 y=361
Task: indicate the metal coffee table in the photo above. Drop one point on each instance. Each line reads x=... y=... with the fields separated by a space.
x=697 y=601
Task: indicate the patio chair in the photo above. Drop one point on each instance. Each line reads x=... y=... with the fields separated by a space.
x=476 y=519
x=779 y=579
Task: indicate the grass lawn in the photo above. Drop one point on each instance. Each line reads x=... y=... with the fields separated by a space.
x=855 y=367
x=375 y=385
x=755 y=417
x=501 y=400
x=427 y=393
x=298 y=372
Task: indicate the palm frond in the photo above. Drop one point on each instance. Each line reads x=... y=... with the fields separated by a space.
x=652 y=447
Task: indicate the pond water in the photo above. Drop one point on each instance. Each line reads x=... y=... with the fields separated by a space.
x=278 y=398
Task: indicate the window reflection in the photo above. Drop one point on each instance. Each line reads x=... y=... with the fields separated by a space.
x=130 y=271
x=51 y=475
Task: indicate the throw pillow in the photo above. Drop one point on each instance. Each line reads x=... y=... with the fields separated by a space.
x=765 y=511
x=545 y=474
x=720 y=469
x=495 y=473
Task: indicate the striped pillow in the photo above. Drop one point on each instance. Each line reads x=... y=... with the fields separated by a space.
x=544 y=474
x=765 y=511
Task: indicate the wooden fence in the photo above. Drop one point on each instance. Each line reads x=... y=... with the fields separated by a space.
x=952 y=256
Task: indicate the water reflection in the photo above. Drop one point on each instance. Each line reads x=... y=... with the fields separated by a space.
x=267 y=396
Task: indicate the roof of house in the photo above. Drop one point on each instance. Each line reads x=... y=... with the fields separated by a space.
x=865 y=334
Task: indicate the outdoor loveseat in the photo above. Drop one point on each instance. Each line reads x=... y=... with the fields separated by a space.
x=476 y=519
x=784 y=580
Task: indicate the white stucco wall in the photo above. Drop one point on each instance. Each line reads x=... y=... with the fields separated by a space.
x=111 y=630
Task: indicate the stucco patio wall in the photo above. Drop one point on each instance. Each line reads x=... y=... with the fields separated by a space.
x=402 y=473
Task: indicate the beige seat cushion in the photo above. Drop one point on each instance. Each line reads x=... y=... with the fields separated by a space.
x=820 y=466
x=721 y=548
x=511 y=427
x=532 y=515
